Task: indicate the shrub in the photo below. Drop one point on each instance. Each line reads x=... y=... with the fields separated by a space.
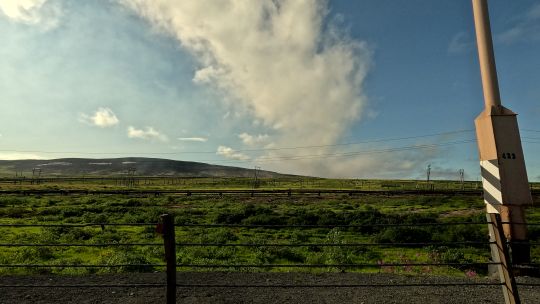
x=220 y=236
x=14 y=212
x=72 y=212
x=403 y=235
x=461 y=233
x=131 y=260
x=236 y=216
x=29 y=255
x=444 y=254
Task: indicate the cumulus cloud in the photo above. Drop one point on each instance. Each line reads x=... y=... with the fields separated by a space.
x=283 y=62
x=230 y=153
x=43 y=13
x=148 y=133
x=103 y=118
x=196 y=139
x=253 y=140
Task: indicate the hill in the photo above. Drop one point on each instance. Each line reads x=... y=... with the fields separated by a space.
x=120 y=166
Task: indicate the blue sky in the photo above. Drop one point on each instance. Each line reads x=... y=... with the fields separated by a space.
x=369 y=89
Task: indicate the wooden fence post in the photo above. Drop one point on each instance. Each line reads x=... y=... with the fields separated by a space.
x=499 y=254
x=170 y=256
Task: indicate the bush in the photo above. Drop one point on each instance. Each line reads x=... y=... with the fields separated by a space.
x=150 y=215
x=128 y=258
x=403 y=235
x=444 y=254
x=237 y=216
x=220 y=236
x=94 y=218
x=534 y=233
x=14 y=212
x=461 y=233
x=29 y=255
x=133 y=203
x=264 y=219
x=72 y=212
x=79 y=234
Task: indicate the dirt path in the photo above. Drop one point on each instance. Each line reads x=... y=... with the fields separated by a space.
x=456 y=294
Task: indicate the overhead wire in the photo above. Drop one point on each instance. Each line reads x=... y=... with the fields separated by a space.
x=249 y=150
x=267 y=159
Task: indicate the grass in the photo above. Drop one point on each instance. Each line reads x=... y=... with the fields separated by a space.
x=366 y=210
x=238 y=183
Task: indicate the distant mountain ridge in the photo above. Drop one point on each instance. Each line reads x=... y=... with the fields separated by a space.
x=120 y=166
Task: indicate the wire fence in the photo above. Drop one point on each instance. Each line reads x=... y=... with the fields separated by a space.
x=167 y=228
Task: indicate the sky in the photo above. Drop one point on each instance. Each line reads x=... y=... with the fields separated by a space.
x=338 y=88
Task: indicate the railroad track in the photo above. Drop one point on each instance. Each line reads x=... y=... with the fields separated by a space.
x=248 y=192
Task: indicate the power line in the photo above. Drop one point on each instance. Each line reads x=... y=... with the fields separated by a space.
x=248 y=150
x=346 y=154
x=342 y=154
x=332 y=155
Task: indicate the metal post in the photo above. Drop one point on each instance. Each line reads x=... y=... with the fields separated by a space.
x=170 y=256
x=499 y=254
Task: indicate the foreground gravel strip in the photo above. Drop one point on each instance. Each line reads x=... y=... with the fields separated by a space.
x=431 y=294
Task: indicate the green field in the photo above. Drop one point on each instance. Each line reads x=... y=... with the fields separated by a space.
x=265 y=210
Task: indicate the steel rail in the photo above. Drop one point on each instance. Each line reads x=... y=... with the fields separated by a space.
x=362 y=265
x=78 y=245
x=77 y=265
x=246 y=244
x=329 y=244
x=244 y=265
x=76 y=225
x=327 y=226
x=243 y=225
x=290 y=191
x=333 y=285
x=84 y=286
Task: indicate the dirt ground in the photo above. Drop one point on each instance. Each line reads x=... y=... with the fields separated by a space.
x=199 y=295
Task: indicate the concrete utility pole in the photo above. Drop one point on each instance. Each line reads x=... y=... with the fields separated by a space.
x=504 y=176
x=428 y=172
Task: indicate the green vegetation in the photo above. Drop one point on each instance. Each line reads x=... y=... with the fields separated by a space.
x=341 y=210
x=171 y=182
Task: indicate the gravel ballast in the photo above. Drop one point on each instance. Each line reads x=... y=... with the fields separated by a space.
x=214 y=295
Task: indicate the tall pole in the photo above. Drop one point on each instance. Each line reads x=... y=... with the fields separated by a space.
x=504 y=175
x=488 y=69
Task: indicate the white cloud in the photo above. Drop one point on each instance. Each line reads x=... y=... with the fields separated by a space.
x=16 y=155
x=251 y=140
x=103 y=118
x=280 y=61
x=534 y=12
x=43 y=13
x=460 y=43
x=147 y=133
x=231 y=154
x=527 y=28
x=197 y=139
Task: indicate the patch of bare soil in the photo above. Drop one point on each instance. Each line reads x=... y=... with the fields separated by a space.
x=216 y=295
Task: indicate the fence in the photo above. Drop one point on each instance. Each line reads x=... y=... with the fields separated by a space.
x=166 y=226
